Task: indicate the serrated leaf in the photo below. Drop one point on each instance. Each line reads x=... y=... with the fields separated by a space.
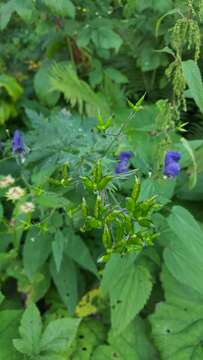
x=36 y=250
x=132 y=344
x=58 y=248
x=183 y=256
x=129 y=291
x=77 y=250
x=91 y=333
x=66 y=282
x=59 y=335
x=177 y=324
x=9 y=322
x=61 y=7
x=30 y=331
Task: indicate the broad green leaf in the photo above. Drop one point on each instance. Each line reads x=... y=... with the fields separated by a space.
x=30 y=331
x=11 y=86
x=66 y=282
x=193 y=168
x=36 y=250
x=9 y=322
x=2 y=297
x=52 y=200
x=58 y=248
x=7 y=110
x=162 y=188
x=59 y=335
x=132 y=344
x=177 y=324
x=184 y=253
x=24 y=8
x=42 y=85
x=193 y=78
x=91 y=333
x=116 y=75
x=61 y=7
x=106 y=38
x=76 y=249
x=130 y=289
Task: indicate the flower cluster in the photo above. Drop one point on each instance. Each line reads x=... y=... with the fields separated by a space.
x=27 y=207
x=122 y=166
x=15 y=193
x=171 y=164
x=6 y=181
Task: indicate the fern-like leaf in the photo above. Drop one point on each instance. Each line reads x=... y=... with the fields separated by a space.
x=77 y=92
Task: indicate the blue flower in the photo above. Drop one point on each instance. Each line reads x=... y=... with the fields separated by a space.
x=17 y=143
x=171 y=163
x=122 y=166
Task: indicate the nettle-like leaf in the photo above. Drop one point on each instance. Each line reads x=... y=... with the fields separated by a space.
x=52 y=343
x=9 y=322
x=129 y=289
x=177 y=325
x=184 y=253
x=64 y=78
x=132 y=344
x=61 y=7
x=77 y=250
x=36 y=250
x=66 y=282
x=91 y=333
x=24 y=8
x=30 y=331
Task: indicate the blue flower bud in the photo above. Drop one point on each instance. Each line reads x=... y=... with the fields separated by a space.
x=17 y=143
x=171 y=164
x=122 y=166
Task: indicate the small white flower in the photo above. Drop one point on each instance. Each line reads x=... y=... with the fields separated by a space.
x=27 y=207
x=15 y=193
x=6 y=181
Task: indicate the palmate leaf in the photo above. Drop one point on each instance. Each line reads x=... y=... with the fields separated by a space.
x=129 y=289
x=132 y=344
x=64 y=78
x=30 y=331
x=52 y=343
x=9 y=322
x=177 y=325
x=184 y=253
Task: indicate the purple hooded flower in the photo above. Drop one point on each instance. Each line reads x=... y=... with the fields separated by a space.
x=171 y=164
x=17 y=143
x=122 y=166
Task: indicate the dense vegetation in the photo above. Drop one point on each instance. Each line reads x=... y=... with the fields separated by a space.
x=101 y=145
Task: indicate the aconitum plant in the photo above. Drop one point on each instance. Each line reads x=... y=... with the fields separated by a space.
x=171 y=164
